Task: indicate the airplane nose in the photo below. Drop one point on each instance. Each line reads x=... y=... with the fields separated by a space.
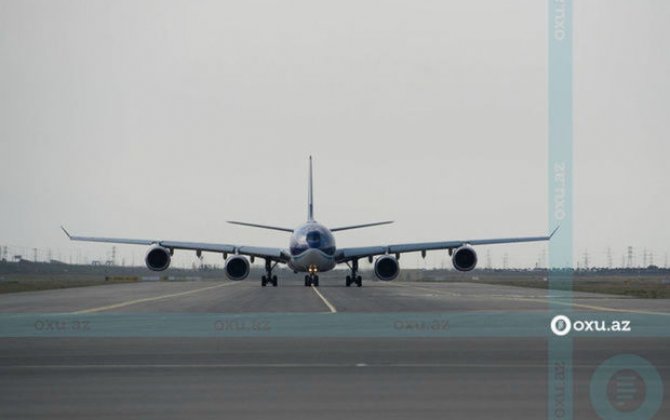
x=311 y=257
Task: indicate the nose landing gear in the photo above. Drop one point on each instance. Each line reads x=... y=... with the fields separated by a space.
x=312 y=279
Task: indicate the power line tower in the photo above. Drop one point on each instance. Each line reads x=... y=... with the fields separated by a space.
x=629 y=262
x=609 y=257
x=505 y=261
x=34 y=254
x=644 y=258
x=488 y=259
x=113 y=255
x=586 y=259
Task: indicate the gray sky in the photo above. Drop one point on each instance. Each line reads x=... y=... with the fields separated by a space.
x=163 y=119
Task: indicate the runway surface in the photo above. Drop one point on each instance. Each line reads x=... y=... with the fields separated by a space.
x=398 y=375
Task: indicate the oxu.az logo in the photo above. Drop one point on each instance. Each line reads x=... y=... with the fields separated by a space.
x=562 y=325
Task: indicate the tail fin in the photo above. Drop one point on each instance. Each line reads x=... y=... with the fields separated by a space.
x=310 y=199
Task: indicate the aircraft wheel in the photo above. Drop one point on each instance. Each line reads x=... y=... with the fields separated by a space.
x=274 y=281
x=264 y=281
x=348 y=281
x=359 y=281
x=307 y=281
x=316 y=281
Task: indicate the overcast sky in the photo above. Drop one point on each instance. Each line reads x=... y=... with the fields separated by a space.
x=163 y=119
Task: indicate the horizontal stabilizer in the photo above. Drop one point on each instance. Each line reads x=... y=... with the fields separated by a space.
x=260 y=226
x=361 y=226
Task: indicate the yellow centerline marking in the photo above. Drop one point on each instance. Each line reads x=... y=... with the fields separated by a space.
x=328 y=304
x=549 y=300
x=594 y=307
x=149 y=299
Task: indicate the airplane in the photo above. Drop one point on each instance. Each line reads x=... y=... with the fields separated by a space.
x=311 y=250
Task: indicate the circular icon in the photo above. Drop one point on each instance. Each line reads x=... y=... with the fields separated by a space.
x=626 y=390
x=561 y=325
x=626 y=386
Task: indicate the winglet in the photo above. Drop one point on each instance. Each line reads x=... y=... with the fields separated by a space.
x=554 y=231
x=66 y=232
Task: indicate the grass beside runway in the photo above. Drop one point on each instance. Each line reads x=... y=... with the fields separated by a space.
x=27 y=276
x=32 y=283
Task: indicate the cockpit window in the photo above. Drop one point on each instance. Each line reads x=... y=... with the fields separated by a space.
x=314 y=239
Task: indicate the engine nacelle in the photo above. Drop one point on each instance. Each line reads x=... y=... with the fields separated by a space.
x=387 y=268
x=237 y=267
x=464 y=258
x=158 y=258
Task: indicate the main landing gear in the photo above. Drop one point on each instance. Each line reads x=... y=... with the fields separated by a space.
x=354 y=278
x=312 y=279
x=269 y=278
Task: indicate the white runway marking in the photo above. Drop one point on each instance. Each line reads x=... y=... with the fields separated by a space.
x=149 y=299
x=328 y=304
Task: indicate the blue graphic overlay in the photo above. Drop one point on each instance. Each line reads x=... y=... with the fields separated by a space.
x=326 y=324
x=560 y=404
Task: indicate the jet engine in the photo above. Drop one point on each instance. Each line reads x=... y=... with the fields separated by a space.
x=237 y=267
x=157 y=258
x=464 y=258
x=386 y=268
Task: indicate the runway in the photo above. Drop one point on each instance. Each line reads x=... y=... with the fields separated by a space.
x=305 y=364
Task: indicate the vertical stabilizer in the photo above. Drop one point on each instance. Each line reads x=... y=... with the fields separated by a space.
x=310 y=202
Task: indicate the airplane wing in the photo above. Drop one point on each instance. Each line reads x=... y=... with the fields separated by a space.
x=348 y=254
x=275 y=254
